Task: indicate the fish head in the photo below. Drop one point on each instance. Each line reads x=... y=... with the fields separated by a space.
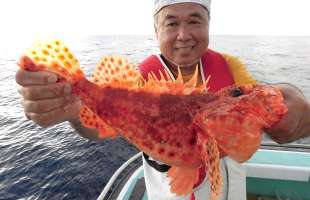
x=266 y=102
x=237 y=118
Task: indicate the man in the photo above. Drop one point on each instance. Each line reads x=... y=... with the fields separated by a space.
x=182 y=30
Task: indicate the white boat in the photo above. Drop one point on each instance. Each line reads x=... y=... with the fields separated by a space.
x=280 y=172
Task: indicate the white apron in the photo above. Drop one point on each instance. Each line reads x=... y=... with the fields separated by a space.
x=234 y=186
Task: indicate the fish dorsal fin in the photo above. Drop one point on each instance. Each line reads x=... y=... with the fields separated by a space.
x=52 y=55
x=193 y=81
x=175 y=86
x=91 y=120
x=162 y=77
x=186 y=88
x=190 y=85
x=203 y=88
x=182 y=179
x=179 y=79
x=115 y=71
x=164 y=84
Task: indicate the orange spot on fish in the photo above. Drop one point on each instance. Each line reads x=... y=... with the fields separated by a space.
x=61 y=57
x=55 y=66
x=178 y=144
x=192 y=141
x=67 y=64
x=45 y=52
x=37 y=59
x=79 y=72
x=171 y=154
x=161 y=150
x=70 y=56
x=65 y=73
x=131 y=74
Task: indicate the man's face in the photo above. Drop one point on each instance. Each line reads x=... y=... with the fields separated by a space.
x=183 y=33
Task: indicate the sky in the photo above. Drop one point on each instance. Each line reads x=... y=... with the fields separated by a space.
x=41 y=18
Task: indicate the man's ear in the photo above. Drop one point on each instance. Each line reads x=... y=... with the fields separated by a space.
x=155 y=20
x=156 y=31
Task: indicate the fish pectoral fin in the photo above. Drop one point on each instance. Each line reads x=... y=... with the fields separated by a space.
x=210 y=154
x=238 y=135
x=182 y=179
x=107 y=132
x=89 y=119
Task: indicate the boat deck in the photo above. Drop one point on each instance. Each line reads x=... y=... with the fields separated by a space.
x=272 y=174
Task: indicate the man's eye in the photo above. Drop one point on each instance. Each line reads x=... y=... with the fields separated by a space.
x=172 y=24
x=194 y=22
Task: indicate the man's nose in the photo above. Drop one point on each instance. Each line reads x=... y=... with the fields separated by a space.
x=184 y=33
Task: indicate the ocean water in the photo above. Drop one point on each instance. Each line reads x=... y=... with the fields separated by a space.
x=56 y=163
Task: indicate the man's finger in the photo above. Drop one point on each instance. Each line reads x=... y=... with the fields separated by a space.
x=45 y=91
x=27 y=78
x=47 y=105
x=55 y=116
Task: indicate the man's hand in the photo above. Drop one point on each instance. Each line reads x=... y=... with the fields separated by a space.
x=296 y=123
x=46 y=101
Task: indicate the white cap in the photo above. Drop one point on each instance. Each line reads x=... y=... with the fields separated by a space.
x=159 y=4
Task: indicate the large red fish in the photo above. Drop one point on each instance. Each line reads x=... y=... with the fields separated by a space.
x=174 y=122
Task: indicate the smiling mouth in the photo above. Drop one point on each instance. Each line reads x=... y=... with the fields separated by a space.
x=185 y=48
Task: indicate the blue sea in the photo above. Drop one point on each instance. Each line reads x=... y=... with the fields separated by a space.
x=56 y=163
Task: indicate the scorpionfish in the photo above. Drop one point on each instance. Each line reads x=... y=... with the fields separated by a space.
x=174 y=122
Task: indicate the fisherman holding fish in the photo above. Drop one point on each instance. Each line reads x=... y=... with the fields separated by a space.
x=182 y=31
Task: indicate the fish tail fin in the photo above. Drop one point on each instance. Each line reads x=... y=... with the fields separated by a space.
x=28 y=64
x=183 y=179
x=52 y=55
x=211 y=157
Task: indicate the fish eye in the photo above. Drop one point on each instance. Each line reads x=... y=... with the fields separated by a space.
x=236 y=92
